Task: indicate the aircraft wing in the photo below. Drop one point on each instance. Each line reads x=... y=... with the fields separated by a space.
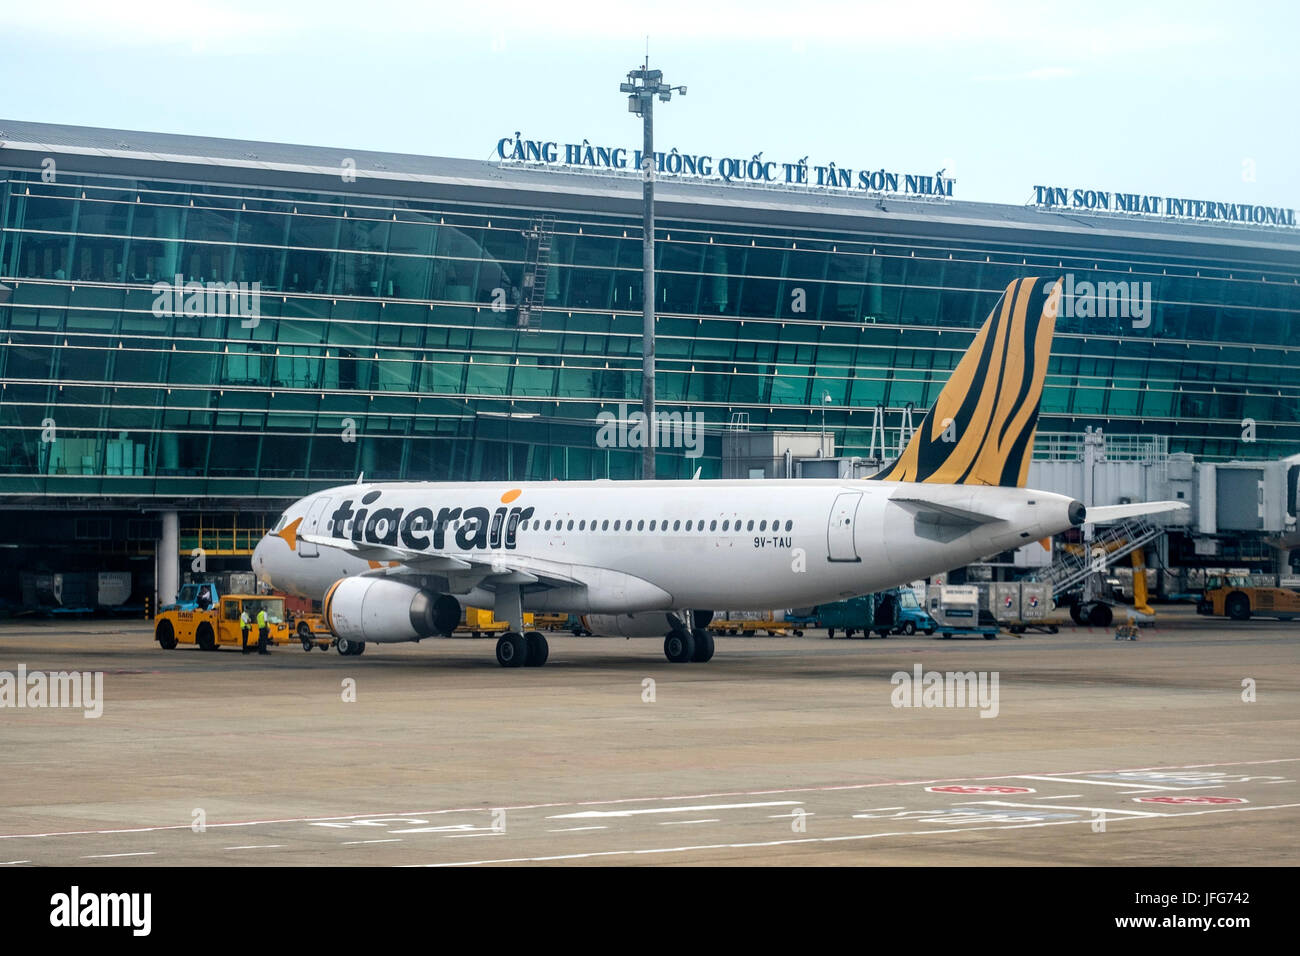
x=462 y=567
x=1101 y=514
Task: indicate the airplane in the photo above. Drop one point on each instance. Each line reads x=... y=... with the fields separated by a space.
x=396 y=561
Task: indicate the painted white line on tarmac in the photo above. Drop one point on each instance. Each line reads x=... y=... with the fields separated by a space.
x=358 y=842
x=1095 y=783
x=453 y=836
x=835 y=839
x=109 y=856
x=576 y=829
x=690 y=809
x=13 y=862
x=260 y=846
x=879 y=809
x=1062 y=806
x=685 y=823
x=609 y=802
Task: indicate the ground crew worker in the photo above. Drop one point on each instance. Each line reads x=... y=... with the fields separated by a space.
x=263 y=632
x=245 y=624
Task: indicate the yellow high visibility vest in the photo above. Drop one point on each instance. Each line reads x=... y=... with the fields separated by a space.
x=261 y=619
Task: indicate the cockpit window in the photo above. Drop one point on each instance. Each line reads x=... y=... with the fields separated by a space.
x=279 y=525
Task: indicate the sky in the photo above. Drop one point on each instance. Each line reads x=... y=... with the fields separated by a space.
x=1191 y=99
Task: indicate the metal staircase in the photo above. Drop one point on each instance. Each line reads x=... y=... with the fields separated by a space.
x=537 y=269
x=1108 y=545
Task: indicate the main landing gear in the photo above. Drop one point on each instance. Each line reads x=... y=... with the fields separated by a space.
x=522 y=650
x=682 y=646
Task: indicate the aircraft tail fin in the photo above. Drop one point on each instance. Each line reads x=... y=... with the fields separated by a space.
x=980 y=430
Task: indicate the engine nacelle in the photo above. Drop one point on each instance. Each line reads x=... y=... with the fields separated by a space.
x=645 y=624
x=384 y=610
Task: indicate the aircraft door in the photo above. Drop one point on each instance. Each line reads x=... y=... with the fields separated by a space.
x=840 y=545
x=313 y=523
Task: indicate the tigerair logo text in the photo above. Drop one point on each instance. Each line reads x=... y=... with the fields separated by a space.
x=471 y=529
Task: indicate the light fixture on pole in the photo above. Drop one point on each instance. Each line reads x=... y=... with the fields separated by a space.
x=821 y=448
x=642 y=87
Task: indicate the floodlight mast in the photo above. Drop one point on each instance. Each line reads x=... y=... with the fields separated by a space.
x=642 y=87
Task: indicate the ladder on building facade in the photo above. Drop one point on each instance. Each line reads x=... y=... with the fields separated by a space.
x=877 y=448
x=1109 y=544
x=537 y=269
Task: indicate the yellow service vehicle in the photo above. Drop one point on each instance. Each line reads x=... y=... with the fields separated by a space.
x=218 y=626
x=312 y=631
x=478 y=622
x=1235 y=597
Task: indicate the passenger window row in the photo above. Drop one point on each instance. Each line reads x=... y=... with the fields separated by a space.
x=618 y=524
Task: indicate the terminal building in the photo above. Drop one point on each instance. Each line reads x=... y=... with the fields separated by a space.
x=410 y=317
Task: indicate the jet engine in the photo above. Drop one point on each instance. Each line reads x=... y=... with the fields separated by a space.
x=385 y=610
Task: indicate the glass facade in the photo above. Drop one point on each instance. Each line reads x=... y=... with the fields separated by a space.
x=385 y=338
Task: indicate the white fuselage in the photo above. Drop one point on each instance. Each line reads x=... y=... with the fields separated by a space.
x=750 y=544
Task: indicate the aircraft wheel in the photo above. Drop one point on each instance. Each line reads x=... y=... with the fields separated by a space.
x=166 y=635
x=538 y=649
x=512 y=650
x=703 y=645
x=679 y=646
x=349 y=648
x=1076 y=614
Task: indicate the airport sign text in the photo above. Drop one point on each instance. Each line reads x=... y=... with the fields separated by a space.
x=1170 y=207
x=725 y=169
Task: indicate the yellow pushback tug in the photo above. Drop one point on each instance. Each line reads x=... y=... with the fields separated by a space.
x=218 y=625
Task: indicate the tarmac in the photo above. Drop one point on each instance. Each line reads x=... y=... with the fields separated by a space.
x=1180 y=748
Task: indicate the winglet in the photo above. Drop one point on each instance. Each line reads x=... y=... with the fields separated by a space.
x=980 y=430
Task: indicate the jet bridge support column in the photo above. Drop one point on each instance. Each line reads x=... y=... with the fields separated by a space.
x=167 y=575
